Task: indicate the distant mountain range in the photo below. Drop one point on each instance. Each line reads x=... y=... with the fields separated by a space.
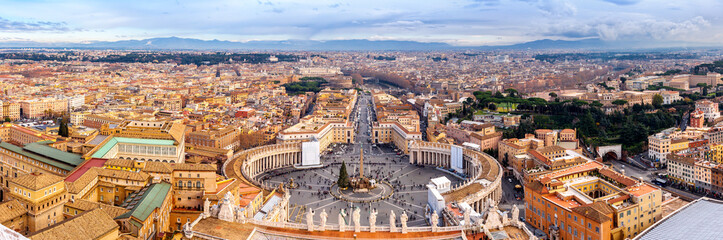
x=175 y=43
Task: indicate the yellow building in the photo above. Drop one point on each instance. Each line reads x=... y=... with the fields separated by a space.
x=715 y=154
x=43 y=195
x=328 y=124
x=591 y=200
x=678 y=144
x=95 y=224
x=149 y=212
x=14 y=216
x=36 y=108
x=397 y=122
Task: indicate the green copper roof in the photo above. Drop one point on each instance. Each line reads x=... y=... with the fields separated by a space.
x=53 y=153
x=153 y=198
x=49 y=161
x=115 y=140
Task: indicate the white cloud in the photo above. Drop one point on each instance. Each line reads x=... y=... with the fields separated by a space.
x=632 y=27
x=461 y=22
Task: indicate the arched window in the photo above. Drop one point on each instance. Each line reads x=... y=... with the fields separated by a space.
x=180 y=183
x=198 y=184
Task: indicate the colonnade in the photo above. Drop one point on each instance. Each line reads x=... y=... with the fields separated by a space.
x=433 y=158
x=256 y=166
x=477 y=166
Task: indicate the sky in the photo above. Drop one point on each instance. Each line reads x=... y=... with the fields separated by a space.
x=457 y=22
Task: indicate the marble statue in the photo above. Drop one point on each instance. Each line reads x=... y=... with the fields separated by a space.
x=226 y=211
x=207 y=208
x=373 y=220
x=356 y=217
x=493 y=220
x=282 y=214
x=466 y=217
x=435 y=221
x=241 y=215
x=342 y=222
x=392 y=221
x=505 y=219
x=403 y=219
x=187 y=231
x=323 y=216
x=515 y=214
x=310 y=220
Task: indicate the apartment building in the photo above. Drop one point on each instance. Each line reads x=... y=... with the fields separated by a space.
x=223 y=137
x=37 y=108
x=709 y=109
x=397 y=122
x=328 y=124
x=11 y=110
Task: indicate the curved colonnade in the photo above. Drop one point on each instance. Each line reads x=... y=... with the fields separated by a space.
x=484 y=173
x=483 y=182
x=252 y=162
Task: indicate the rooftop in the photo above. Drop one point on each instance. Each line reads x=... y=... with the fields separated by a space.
x=93 y=162
x=143 y=204
x=10 y=210
x=699 y=219
x=36 y=181
x=88 y=225
x=102 y=151
x=43 y=159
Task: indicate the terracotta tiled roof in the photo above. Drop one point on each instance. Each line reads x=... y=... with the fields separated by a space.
x=193 y=167
x=135 y=176
x=615 y=176
x=596 y=211
x=88 y=225
x=37 y=180
x=85 y=205
x=536 y=186
x=550 y=149
x=81 y=182
x=11 y=210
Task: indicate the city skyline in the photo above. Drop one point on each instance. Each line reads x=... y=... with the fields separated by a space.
x=458 y=23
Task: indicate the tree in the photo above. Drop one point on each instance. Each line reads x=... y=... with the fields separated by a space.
x=492 y=107
x=63 y=129
x=512 y=92
x=553 y=95
x=704 y=87
x=657 y=101
x=7 y=119
x=498 y=94
x=587 y=125
x=596 y=104
x=506 y=160
x=343 y=181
